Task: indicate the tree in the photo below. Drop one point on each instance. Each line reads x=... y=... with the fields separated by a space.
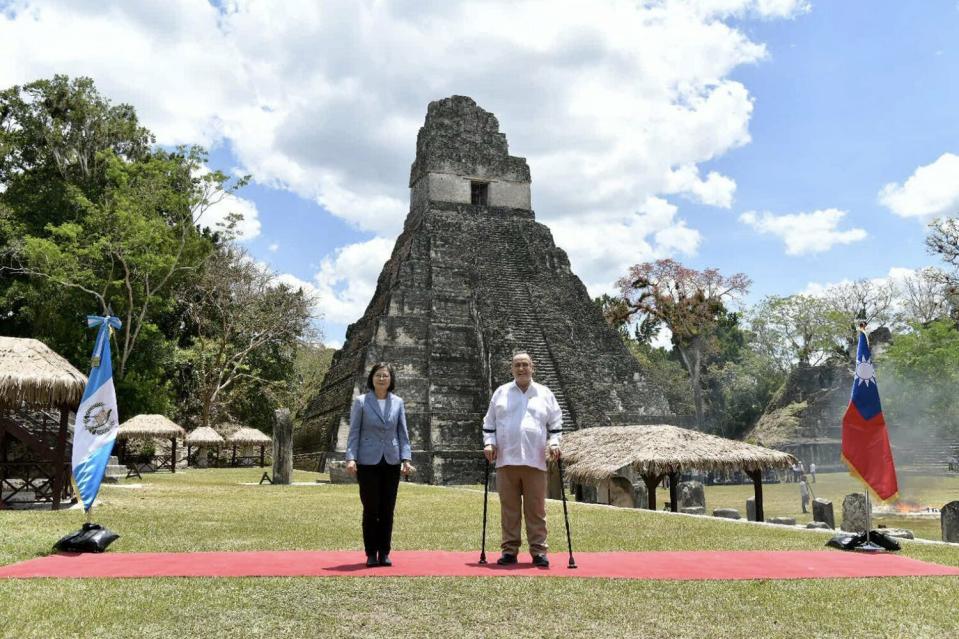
x=90 y=213
x=127 y=250
x=876 y=299
x=689 y=303
x=919 y=374
x=799 y=329
x=242 y=320
x=924 y=296
x=943 y=239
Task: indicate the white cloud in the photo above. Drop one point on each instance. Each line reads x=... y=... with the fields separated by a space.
x=346 y=280
x=716 y=189
x=274 y=247
x=931 y=191
x=614 y=104
x=216 y=216
x=805 y=233
x=604 y=244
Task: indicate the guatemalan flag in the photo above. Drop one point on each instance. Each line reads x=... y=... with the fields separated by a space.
x=96 y=424
x=865 y=441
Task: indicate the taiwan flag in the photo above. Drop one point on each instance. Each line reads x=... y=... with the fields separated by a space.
x=865 y=441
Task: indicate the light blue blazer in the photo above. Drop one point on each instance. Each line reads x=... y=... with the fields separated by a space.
x=375 y=436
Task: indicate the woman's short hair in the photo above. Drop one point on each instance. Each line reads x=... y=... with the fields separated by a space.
x=377 y=366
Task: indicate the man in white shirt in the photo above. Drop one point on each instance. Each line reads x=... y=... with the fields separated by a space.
x=521 y=430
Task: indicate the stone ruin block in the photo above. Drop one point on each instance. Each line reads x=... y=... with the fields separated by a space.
x=854 y=512
x=949 y=521
x=641 y=494
x=782 y=521
x=751 y=509
x=822 y=512
x=727 y=513
x=691 y=494
x=897 y=533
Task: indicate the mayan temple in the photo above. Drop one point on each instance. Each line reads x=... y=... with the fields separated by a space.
x=473 y=278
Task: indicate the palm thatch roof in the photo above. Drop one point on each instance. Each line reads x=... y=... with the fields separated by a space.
x=246 y=435
x=31 y=373
x=596 y=454
x=146 y=426
x=204 y=436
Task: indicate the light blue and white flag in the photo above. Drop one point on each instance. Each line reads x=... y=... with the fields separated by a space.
x=97 y=421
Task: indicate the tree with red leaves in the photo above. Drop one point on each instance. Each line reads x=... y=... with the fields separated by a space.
x=688 y=302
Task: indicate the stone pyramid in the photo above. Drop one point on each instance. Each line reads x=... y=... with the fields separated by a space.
x=473 y=278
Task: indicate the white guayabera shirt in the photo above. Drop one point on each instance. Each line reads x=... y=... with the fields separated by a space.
x=519 y=424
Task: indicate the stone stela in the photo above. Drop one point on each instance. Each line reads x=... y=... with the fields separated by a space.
x=473 y=278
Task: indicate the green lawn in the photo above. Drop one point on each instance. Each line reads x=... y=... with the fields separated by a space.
x=210 y=510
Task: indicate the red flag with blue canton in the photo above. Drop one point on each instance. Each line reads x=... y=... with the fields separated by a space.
x=865 y=440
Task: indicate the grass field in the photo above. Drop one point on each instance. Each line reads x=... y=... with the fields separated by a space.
x=211 y=510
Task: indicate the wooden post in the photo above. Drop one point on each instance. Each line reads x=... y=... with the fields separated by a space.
x=173 y=456
x=233 y=461
x=282 y=446
x=58 y=462
x=189 y=449
x=262 y=455
x=651 y=482
x=674 y=491
x=757 y=477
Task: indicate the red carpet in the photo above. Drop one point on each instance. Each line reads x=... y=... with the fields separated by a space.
x=422 y=563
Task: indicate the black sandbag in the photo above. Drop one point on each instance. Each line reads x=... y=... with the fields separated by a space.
x=883 y=541
x=847 y=541
x=851 y=541
x=90 y=538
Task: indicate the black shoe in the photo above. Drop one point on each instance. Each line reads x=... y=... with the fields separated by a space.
x=540 y=561
x=371 y=561
x=385 y=559
x=506 y=559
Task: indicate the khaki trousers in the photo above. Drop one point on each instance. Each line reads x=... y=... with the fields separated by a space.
x=522 y=493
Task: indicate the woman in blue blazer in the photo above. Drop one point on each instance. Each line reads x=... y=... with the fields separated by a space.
x=377 y=451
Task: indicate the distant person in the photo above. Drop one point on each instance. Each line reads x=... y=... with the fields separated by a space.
x=804 y=493
x=522 y=428
x=377 y=452
x=812 y=471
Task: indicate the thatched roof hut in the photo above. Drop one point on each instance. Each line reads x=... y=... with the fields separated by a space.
x=246 y=436
x=33 y=378
x=238 y=436
x=149 y=426
x=593 y=455
x=31 y=373
x=204 y=436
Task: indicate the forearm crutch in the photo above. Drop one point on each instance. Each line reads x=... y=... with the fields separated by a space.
x=482 y=559
x=562 y=488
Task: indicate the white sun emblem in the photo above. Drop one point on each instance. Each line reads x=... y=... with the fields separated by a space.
x=865 y=372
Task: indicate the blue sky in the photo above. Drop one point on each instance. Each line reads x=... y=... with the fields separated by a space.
x=803 y=143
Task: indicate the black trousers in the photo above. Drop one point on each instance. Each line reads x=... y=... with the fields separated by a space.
x=378 y=486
